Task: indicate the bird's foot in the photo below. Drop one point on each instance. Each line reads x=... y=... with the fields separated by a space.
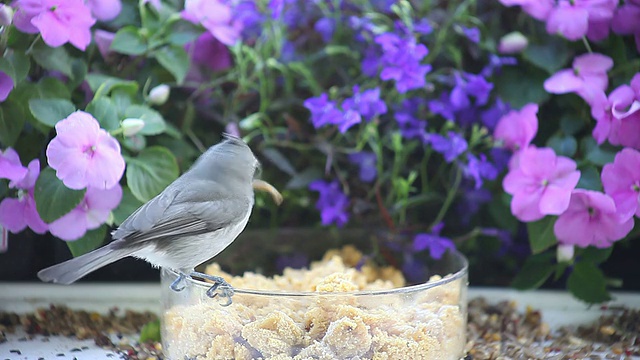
x=220 y=287
x=178 y=284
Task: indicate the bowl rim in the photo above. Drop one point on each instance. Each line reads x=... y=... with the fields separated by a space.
x=460 y=274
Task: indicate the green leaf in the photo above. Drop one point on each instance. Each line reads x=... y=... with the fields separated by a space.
x=552 y=55
x=541 y=236
x=129 y=41
x=102 y=85
x=595 y=255
x=16 y=65
x=181 y=37
x=11 y=122
x=53 y=58
x=535 y=271
x=50 y=111
x=52 y=88
x=105 y=111
x=599 y=156
x=175 y=59
x=150 y=331
x=279 y=160
x=519 y=86
x=127 y=206
x=91 y=240
x=79 y=69
x=151 y=172
x=590 y=179
x=563 y=145
x=587 y=283
x=154 y=123
x=53 y=199
x=302 y=179
x=571 y=124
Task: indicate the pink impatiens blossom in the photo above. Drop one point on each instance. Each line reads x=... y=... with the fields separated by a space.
x=591 y=219
x=85 y=155
x=92 y=212
x=104 y=10
x=6 y=85
x=587 y=77
x=10 y=166
x=18 y=213
x=621 y=181
x=58 y=21
x=103 y=40
x=625 y=20
x=517 y=129
x=216 y=17
x=611 y=112
x=572 y=18
x=538 y=9
x=541 y=183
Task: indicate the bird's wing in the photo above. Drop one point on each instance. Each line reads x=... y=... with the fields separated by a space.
x=190 y=212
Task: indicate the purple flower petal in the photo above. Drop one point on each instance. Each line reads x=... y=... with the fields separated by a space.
x=10 y=166
x=6 y=85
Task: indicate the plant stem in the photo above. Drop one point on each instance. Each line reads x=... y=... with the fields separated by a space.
x=448 y=200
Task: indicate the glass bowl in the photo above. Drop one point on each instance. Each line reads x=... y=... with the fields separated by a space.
x=422 y=321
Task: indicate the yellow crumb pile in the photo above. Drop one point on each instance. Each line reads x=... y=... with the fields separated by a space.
x=322 y=323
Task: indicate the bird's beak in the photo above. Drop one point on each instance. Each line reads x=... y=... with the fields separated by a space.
x=265 y=186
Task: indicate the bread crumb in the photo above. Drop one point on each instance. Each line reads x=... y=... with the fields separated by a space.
x=331 y=321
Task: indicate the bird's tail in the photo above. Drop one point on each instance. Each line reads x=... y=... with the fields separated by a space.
x=72 y=270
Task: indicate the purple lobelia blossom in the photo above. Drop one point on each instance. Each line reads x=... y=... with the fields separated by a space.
x=400 y=61
x=479 y=169
x=442 y=106
x=472 y=33
x=209 y=52
x=332 y=202
x=18 y=213
x=92 y=212
x=325 y=112
x=492 y=115
x=325 y=27
x=85 y=155
x=58 y=21
x=410 y=126
x=469 y=85
x=436 y=244
x=367 y=103
x=450 y=146
x=366 y=161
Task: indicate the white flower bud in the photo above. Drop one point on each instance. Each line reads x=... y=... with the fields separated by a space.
x=565 y=253
x=6 y=15
x=513 y=43
x=159 y=94
x=131 y=126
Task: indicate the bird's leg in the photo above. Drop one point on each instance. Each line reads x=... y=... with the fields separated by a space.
x=178 y=284
x=220 y=287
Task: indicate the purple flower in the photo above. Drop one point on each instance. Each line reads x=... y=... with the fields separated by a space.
x=17 y=214
x=541 y=183
x=209 y=52
x=367 y=162
x=84 y=155
x=472 y=33
x=625 y=21
x=423 y=27
x=104 y=10
x=58 y=21
x=401 y=61
x=410 y=126
x=6 y=85
x=479 y=169
x=571 y=18
x=323 y=110
x=332 y=202
x=496 y=63
x=103 y=40
x=450 y=147
x=591 y=219
x=469 y=85
x=92 y=212
x=538 y=9
x=247 y=13
x=492 y=115
x=367 y=103
x=442 y=107
x=10 y=166
x=325 y=27
x=587 y=77
x=436 y=244
x=621 y=181
x=215 y=16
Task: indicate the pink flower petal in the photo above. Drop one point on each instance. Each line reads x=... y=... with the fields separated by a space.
x=103 y=41
x=105 y=10
x=79 y=129
x=71 y=226
x=538 y=9
x=629 y=131
x=29 y=180
x=53 y=31
x=10 y=166
x=12 y=215
x=569 y=21
x=524 y=206
x=96 y=217
x=562 y=82
x=6 y=85
x=592 y=63
x=106 y=166
x=31 y=216
x=25 y=11
x=107 y=199
x=538 y=162
x=70 y=164
x=554 y=200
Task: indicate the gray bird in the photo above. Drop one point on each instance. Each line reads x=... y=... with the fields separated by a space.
x=191 y=221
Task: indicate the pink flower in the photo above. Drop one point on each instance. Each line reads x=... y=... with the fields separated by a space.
x=538 y=9
x=541 y=183
x=591 y=219
x=610 y=111
x=92 y=212
x=517 y=128
x=104 y=10
x=572 y=18
x=621 y=181
x=58 y=21
x=10 y=166
x=6 y=85
x=84 y=155
x=103 y=40
x=16 y=214
x=215 y=16
x=587 y=77
x=208 y=51
x=625 y=21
